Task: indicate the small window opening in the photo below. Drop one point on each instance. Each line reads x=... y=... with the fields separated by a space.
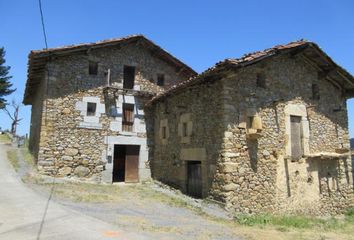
x=315 y=92
x=91 y=109
x=160 y=79
x=93 y=68
x=128 y=117
x=261 y=80
x=310 y=179
x=296 y=138
x=184 y=129
x=250 y=122
x=128 y=77
x=164 y=135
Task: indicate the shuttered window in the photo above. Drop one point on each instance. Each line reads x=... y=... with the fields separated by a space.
x=128 y=117
x=296 y=138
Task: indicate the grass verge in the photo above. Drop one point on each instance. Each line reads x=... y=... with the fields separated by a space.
x=12 y=157
x=283 y=222
x=4 y=138
x=27 y=156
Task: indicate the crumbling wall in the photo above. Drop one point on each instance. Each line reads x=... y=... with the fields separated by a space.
x=262 y=175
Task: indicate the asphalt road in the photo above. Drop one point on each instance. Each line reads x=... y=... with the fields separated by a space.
x=26 y=215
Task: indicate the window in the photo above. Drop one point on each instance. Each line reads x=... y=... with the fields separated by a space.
x=184 y=129
x=164 y=135
x=160 y=79
x=93 y=68
x=128 y=117
x=164 y=131
x=91 y=109
x=250 y=121
x=296 y=138
x=261 y=80
x=315 y=92
x=129 y=77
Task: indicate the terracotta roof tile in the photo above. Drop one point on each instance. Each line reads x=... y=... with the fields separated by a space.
x=245 y=60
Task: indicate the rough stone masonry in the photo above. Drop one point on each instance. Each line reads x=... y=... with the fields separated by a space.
x=264 y=133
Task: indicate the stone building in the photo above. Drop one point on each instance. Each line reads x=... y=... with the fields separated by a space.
x=264 y=133
x=87 y=106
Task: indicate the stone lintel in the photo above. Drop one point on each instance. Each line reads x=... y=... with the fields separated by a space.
x=193 y=154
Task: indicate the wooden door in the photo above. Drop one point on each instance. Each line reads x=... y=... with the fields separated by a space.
x=132 y=163
x=296 y=136
x=194 y=179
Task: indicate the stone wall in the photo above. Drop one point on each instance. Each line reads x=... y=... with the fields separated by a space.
x=200 y=107
x=252 y=170
x=68 y=74
x=76 y=145
x=36 y=120
x=273 y=181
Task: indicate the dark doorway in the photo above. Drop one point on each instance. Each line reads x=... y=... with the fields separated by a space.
x=194 y=179
x=126 y=163
x=129 y=77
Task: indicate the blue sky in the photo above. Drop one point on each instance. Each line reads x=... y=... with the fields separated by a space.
x=200 y=33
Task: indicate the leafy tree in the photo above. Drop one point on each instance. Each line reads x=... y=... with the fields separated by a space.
x=5 y=85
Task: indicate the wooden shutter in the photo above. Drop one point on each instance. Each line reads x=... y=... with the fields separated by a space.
x=132 y=163
x=296 y=136
x=128 y=117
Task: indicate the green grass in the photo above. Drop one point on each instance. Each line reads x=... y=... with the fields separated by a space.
x=27 y=156
x=297 y=222
x=12 y=157
x=4 y=138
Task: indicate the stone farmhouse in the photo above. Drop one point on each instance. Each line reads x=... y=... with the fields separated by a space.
x=87 y=106
x=264 y=133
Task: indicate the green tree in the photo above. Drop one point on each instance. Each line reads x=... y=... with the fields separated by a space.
x=5 y=85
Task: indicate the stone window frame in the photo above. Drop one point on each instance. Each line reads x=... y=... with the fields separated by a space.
x=90 y=121
x=164 y=125
x=298 y=110
x=185 y=118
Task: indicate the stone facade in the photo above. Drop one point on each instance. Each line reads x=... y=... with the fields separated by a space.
x=264 y=133
x=241 y=135
x=70 y=141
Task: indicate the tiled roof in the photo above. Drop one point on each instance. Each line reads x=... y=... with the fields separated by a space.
x=246 y=60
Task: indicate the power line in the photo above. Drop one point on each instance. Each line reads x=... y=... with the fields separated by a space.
x=43 y=26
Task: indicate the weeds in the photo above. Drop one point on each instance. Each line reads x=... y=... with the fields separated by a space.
x=12 y=157
x=298 y=222
x=4 y=138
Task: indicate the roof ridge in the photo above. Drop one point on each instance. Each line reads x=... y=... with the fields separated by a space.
x=244 y=60
x=108 y=40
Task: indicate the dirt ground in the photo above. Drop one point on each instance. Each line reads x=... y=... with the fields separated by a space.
x=159 y=212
